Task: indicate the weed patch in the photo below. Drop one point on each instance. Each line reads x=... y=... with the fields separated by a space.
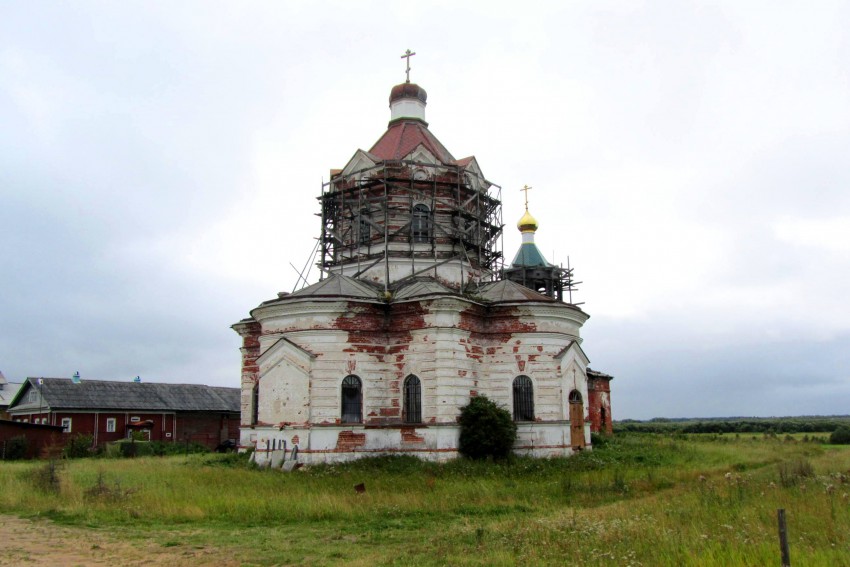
x=795 y=472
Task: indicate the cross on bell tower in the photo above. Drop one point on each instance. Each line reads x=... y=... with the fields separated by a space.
x=525 y=189
x=407 y=55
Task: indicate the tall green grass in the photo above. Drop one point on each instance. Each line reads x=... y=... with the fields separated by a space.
x=638 y=500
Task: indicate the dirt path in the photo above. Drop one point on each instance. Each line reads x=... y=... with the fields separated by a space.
x=41 y=542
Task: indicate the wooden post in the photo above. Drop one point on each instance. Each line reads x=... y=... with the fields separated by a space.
x=783 y=538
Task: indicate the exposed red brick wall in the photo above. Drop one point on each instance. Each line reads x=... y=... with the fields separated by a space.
x=409 y=436
x=349 y=441
x=250 y=333
x=599 y=401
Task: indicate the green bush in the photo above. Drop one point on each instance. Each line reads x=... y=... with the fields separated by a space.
x=598 y=440
x=16 y=448
x=163 y=448
x=133 y=448
x=78 y=446
x=840 y=436
x=486 y=430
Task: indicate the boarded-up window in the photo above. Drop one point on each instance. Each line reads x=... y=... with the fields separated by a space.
x=255 y=404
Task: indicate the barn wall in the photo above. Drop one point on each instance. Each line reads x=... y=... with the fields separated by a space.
x=39 y=437
x=207 y=428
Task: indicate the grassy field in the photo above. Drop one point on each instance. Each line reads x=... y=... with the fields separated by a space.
x=641 y=499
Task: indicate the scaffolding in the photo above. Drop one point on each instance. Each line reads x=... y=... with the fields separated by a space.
x=553 y=281
x=400 y=209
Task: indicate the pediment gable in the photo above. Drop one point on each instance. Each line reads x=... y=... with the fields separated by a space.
x=575 y=349
x=359 y=161
x=285 y=349
x=421 y=154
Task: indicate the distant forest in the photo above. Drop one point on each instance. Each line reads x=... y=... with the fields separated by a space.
x=803 y=424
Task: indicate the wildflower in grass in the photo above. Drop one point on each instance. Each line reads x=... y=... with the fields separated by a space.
x=702 y=478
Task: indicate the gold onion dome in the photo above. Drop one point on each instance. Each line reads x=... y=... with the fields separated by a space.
x=527 y=223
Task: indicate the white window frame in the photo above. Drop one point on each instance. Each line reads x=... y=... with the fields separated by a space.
x=111 y=424
x=66 y=425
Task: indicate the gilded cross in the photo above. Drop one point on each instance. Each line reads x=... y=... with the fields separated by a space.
x=526 y=189
x=407 y=55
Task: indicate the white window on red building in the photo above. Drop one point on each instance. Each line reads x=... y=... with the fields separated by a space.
x=66 y=425
x=110 y=425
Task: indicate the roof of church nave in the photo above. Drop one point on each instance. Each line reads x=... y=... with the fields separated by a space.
x=338 y=286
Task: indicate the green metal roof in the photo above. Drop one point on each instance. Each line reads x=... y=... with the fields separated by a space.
x=529 y=255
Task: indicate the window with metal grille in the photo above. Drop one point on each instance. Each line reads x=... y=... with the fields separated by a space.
x=420 y=223
x=412 y=400
x=365 y=231
x=523 y=399
x=352 y=400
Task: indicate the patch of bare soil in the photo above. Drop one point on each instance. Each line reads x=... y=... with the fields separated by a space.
x=41 y=542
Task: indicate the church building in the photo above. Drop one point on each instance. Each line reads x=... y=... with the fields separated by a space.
x=414 y=314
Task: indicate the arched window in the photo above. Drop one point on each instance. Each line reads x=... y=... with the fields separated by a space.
x=364 y=230
x=412 y=400
x=352 y=400
x=575 y=397
x=523 y=399
x=420 y=223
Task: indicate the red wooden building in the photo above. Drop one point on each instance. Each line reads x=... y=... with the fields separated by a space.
x=109 y=411
x=39 y=438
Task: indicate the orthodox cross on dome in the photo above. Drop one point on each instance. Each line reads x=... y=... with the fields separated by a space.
x=525 y=189
x=407 y=55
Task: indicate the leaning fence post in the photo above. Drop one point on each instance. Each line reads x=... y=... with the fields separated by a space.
x=783 y=538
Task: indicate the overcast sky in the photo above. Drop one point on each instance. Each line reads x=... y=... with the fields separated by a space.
x=159 y=163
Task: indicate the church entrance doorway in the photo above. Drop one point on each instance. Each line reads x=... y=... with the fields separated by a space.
x=576 y=420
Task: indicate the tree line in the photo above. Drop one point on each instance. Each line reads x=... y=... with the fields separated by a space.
x=812 y=424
